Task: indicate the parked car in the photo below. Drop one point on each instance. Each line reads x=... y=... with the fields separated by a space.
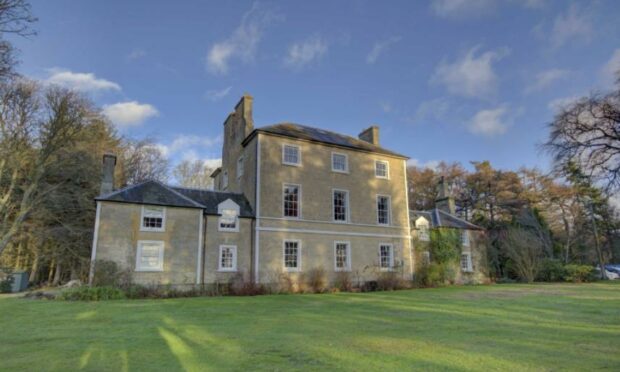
x=611 y=271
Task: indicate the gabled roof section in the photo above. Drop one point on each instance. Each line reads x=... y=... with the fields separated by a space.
x=440 y=218
x=151 y=192
x=211 y=199
x=307 y=133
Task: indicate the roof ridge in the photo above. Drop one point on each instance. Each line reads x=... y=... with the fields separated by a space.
x=179 y=194
x=128 y=187
x=206 y=190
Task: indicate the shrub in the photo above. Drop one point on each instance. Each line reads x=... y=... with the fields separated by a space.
x=316 y=280
x=242 y=285
x=389 y=281
x=434 y=274
x=343 y=281
x=370 y=286
x=551 y=270
x=108 y=274
x=579 y=273
x=6 y=284
x=86 y=293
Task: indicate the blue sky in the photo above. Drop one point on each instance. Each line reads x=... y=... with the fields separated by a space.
x=448 y=80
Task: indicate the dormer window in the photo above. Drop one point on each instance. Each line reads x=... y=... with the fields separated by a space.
x=422 y=225
x=229 y=216
x=291 y=155
x=153 y=218
x=382 y=169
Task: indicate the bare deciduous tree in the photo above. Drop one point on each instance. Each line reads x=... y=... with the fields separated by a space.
x=195 y=174
x=587 y=133
x=15 y=18
x=142 y=160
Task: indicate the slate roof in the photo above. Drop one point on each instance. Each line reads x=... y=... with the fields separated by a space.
x=440 y=218
x=157 y=193
x=211 y=199
x=321 y=135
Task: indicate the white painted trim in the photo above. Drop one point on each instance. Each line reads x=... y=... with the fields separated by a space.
x=465 y=238
x=332 y=232
x=299 y=265
x=161 y=255
x=391 y=257
x=408 y=217
x=346 y=162
x=348 y=266
x=331 y=222
x=256 y=222
x=93 y=253
x=153 y=229
x=389 y=197
x=199 y=263
x=299 y=196
x=219 y=259
x=298 y=155
x=418 y=224
x=387 y=169
x=348 y=207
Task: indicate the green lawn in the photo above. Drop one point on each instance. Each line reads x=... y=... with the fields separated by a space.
x=500 y=327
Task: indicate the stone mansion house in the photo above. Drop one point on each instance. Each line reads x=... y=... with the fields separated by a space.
x=288 y=198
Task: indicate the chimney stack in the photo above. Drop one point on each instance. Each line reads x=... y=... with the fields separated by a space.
x=444 y=200
x=243 y=111
x=107 y=179
x=370 y=135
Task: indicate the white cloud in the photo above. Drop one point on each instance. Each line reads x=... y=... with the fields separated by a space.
x=85 y=82
x=573 y=25
x=560 y=103
x=305 y=52
x=489 y=122
x=136 y=54
x=243 y=43
x=546 y=78
x=216 y=95
x=471 y=75
x=132 y=113
x=463 y=8
x=213 y=163
x=386 y=107
x=431 y=164
x=432 y=110
x=185 y=141
x=612 y=67
x=381 y=47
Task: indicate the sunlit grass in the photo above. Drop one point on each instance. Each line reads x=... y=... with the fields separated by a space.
x=502 y=327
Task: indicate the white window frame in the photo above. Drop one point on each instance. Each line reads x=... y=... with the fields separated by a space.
x=141 y=243
x=470 y=267
x=423 y=222
x=284 y=146
x=153 y=229
x=234 y=258
x=228 y=229
x=387 y=169
x=348 y=205
x=465 y=238
x=389 y=217
x=425 y=256
x=348 y=253
x=240 y=165
x=224 y=180
x=391 y=257
x=284 y=185
x=346 y=162
x=291 y=269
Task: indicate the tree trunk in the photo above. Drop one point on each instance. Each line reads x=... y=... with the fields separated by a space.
x=568 y=235
x=57 y=273
x=35 y=267
x=18 y=258
x=597 y=244
x=50 y=273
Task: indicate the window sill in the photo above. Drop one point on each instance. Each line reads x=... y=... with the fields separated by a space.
x=227 y=230
x=340 y=171
x=226 y=270
x=146 y=229
x=292 y=164
x=342 y=222
x=382 y=178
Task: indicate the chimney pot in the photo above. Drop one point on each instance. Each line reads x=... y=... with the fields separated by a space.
x=370 y=135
